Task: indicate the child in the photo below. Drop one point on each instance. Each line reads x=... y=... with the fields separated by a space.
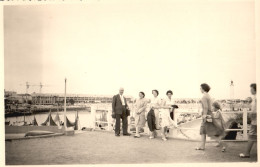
x=218 y=125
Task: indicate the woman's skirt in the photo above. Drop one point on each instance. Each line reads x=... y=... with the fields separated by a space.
x=140 y=120
x=151 y=120
x=213 y=129
x=165 y=119
x=157 y=119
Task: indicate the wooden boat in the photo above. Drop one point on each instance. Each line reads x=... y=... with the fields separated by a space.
x=37 y=133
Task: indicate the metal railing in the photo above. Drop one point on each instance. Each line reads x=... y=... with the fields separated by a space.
x=244 y=129
x=110 y=121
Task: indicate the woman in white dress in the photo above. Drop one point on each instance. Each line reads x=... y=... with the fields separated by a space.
x=164 y=114
x=153 y=114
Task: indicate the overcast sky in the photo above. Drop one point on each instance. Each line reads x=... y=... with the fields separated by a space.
x=101 y=46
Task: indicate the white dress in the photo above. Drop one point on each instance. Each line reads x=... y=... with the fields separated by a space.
x=164 y=115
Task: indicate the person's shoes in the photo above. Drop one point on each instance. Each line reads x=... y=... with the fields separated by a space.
x=151 y=137
x=127 y=134
x=198 y=148
x=137 y=136
x=164 y=139
x=243 y=156
x=217 y=145
x=223 y=149
x=117 y=135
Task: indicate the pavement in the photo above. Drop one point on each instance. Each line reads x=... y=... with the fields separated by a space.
x=21 y=136
x=102 y=147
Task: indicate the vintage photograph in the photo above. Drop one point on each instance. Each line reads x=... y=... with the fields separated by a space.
x=130 y=82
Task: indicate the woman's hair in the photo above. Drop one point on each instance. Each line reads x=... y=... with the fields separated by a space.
x=155 y=91
x=253 y=85
x=205 y=87
x=169 y=91
x=216 y=105
x=142 y=93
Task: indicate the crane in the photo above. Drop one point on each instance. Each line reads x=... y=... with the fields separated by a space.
x=27 y=86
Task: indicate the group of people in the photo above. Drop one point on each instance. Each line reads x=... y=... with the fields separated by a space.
x=159 y=115
x=213 y=124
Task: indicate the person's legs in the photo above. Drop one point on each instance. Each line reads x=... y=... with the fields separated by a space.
x=163 y=130
x=218 y=143
x=151 y=134
x=137 y=121
x=125 y=123
x=252 y=138
x=203 y=141
x=249 y=146
x=223 y=144
x=117 y=129
x=203 y=137
x=137 y=132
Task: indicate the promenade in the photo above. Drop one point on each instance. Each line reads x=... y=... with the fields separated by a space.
x=101 y=147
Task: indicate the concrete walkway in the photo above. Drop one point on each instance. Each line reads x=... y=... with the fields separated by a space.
x=100 y=147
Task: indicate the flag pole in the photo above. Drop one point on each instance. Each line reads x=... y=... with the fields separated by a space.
x=65 y=120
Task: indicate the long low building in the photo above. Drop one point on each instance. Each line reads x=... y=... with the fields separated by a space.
x=47 y=99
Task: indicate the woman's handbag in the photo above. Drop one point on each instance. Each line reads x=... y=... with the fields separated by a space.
x=128 y=112
x=209 y=118
x=113 y=115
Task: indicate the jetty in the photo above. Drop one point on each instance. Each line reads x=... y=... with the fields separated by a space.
x=102 y=147
x=96 y=146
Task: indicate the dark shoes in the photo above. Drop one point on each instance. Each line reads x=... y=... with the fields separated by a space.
x=127 y=134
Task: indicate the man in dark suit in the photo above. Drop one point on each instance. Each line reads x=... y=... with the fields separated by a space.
x=119 y=111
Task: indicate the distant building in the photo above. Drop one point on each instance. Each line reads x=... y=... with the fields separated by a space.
x=10 y=93
x=13 y=97
x=49 y=99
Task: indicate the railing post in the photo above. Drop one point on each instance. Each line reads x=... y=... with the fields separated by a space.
x=93 y=117
x=109 y=119
x=245 y=124
x=175 y=116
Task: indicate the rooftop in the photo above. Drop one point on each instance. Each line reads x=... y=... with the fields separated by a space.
x=74 y=95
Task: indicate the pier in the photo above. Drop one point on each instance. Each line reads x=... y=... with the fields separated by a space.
x=95 y=146
x=102 y=147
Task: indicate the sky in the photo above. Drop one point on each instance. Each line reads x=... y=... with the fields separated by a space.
x=139 y=45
